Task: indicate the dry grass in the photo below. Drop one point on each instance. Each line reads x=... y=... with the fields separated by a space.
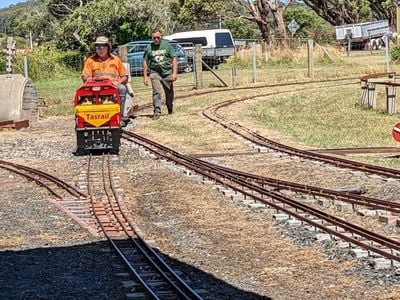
x=198 y=135
x=295 y=54
x=58 y=93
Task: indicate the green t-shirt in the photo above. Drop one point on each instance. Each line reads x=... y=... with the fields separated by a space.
x=159 y=58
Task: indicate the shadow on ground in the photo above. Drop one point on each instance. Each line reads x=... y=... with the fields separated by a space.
x=88 y=272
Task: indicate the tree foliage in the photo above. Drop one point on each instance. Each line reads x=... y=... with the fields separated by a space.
x=268 y=15
x=243 y=29
x=100 y=17
x=310 y=24
x=63 y=8
x=196 y=14
x=74 y=24
x=29 y=19
x=339 y=12
x=120 y=20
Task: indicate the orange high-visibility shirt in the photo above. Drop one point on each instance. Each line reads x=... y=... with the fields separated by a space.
x=111 y=68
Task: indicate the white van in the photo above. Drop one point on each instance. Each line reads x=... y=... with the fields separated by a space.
x=217 y=44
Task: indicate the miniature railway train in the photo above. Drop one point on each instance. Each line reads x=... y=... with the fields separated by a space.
x=97 y=117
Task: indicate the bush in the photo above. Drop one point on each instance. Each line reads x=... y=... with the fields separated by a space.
x=395 y=54
x=47 y=62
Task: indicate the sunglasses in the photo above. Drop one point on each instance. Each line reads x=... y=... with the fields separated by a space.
x=99 y=47
x=156 y=37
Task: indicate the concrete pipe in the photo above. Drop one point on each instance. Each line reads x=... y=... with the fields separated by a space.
x=18 y=99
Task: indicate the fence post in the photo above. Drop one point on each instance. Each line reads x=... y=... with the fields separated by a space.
x=25 y=62
x=387 y=51
x=391 y=99
x=348 y=44
x=233 y=76
x=254 y=62
x=198 y=68
x=123 y=53
x=364 y=93
x=310 y=52
x=372 y=95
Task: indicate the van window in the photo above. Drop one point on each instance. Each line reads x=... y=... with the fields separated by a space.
x=193 y=40
x=223 y=40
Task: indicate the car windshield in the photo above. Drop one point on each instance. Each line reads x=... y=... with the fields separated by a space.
x=178 y=49
x=137 y=48
x=141 y=47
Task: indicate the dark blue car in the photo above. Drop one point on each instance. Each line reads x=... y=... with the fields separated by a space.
x=136 y=51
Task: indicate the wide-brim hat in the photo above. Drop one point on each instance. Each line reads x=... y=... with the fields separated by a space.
x=102 y=40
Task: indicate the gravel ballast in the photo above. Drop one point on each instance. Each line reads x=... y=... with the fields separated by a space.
x=220 y=246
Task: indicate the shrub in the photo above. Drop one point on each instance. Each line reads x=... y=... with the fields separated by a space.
x=47 y=62
x=395 y=54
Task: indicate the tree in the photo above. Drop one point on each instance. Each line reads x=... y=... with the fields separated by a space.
x=63 y=8
x=385 y=9
x=153 y=13
x=28 y=20
x=100 y=17
x=198 y=14
x=121 y=20
x=243 y=29
x=268 y=15
x=310 y=24
x=339 y=12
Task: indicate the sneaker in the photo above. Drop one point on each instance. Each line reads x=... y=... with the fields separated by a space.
x=156 y=116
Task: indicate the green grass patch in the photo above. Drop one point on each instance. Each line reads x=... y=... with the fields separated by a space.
x=328 y=118
x=58 y=94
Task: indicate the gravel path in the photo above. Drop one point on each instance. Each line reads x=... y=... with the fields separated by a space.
x=221 y=246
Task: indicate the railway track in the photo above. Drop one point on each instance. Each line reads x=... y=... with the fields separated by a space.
x=155 y=278
x=102 y=212
x=68 y=199
x=212 y=114
x=53 y=184
x=263 y=191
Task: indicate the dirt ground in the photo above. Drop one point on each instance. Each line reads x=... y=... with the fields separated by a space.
x=222 y=246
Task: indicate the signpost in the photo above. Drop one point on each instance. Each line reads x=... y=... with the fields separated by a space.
x=293 y=26
x=396 y=132
x=10 y=52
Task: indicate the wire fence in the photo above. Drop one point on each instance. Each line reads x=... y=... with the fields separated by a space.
x=250 y=62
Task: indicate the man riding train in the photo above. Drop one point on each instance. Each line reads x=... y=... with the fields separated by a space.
x=103 y=64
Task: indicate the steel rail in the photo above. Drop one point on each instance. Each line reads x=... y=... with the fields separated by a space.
x=59 y=182
x=151 y=256
x=156 y=263
x=185 y=291
x=211 y=113
x=222 y=178
x=316 y=191
x=38 y=181
x=127 y=263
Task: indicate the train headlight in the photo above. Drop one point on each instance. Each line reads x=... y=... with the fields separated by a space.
x=96 y=88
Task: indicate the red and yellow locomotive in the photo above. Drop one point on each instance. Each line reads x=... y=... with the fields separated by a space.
x=97 y=117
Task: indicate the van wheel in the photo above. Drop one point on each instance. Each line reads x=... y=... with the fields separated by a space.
x=188 y=69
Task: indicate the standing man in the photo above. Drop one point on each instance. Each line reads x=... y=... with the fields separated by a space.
x=160 y=61
x=103 y=64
